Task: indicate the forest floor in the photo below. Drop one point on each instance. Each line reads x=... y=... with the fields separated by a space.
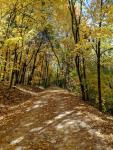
x=51 y=119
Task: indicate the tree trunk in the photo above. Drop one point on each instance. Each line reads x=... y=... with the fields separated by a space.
x=77 y=61
x=34 y=63
x=99 y=77
x=22 y=78
x=75 y=29
x=6 y=57
x=85 y=80
x=98 y=61
x=14 y=64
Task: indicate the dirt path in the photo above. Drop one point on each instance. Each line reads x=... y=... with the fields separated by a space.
x=55 y=120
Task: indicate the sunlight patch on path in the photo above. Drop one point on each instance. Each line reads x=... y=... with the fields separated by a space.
x=76 y=125
x=1 y=118
x=29 y=124
x=18 y=140
x=19 y=148
x=36 y=104
x=1 y=147
x=62 y=115
x=69 y=123
x=95 y=117
x=36 y=129
x=39 y=102
x=28 y=109
x=49 y=122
